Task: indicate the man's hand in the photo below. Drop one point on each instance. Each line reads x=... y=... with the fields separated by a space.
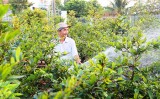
x=77 y=59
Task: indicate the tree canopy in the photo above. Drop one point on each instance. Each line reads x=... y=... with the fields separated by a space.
x=81 y=7
x=118 y=6
x=18 y=5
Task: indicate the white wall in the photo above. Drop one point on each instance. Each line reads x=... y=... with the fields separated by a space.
x=39 y=3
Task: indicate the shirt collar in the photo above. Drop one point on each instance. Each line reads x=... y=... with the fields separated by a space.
x=66 y=40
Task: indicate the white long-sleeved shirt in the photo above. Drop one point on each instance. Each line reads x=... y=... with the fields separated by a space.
x=68 y=47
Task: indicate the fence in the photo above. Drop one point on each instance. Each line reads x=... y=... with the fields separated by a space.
x=135 y=17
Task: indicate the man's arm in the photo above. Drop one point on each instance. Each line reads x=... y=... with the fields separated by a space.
x=75 y=53
x=77 y=59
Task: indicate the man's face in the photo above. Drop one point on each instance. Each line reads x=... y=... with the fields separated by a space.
x=63 y=32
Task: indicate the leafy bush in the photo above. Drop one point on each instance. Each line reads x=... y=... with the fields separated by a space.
x=121 y=78
x=36 y=41
x=49 y=77
x=82 y=7
x=90 y=36
x=9 y=58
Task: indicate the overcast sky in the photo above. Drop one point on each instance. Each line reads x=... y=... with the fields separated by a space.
x=107 y=2
x=102 y=2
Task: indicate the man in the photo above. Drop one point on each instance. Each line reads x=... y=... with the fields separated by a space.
x=66 y=45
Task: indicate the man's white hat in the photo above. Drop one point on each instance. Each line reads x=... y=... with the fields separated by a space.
x=62 y=25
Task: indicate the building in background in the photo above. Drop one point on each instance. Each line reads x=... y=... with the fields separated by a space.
x=42 y=4
x=50 y=7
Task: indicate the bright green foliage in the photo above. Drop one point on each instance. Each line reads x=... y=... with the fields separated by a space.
x=90 y=41
x=89 y=34
x=36 y=34
x=37 y=15
x=58 y=4
x=99 y=78
x=122 y=78
x=34 y=29
x=3 y=10
x=18 y=5
x=36 y=41
x=145 y=22
x=118 y=26
x=81 y=7
x=149 y=7
x=3 y=25
x=132 y=44
x=118 y=6
x=7 y=37
x=8 y=82
x=57 y=19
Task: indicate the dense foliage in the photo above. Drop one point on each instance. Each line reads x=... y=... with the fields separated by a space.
x=118 y=6
x=149 y=7
x=81 y=7
x=27 y=50
x=18 y=5
x=9 y=57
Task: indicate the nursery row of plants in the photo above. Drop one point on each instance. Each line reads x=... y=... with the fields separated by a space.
x=27 y=71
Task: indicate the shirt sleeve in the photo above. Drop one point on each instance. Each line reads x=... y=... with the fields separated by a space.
x=74 y=49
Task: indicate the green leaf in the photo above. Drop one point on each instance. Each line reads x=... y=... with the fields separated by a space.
x=3 y=84
x=133 y=51
x=93 y=78
x=125 y=60
x=5 y=70
x=18 y=52
x=144 y=40
x=105 y=94
x=12 y=60
x=140 y=34
x=12 y=87
x=144 y=78
x=150 y=94
x=136 y=78
x=15 y=77
x=120 y=71
x=118 y=45
x=18 y=94
x=43 y=95
x=11 y=35
x=3 y=10
x=2 y=38
x=28 y=68
x=80 y=73
x=136 y=92
x=113 y=65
